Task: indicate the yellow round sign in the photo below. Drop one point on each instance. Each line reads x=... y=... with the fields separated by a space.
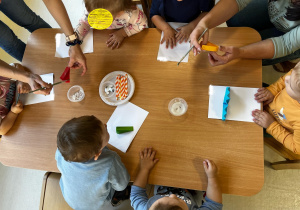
x=100 y=19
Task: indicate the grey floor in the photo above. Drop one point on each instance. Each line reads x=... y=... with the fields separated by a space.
x=21 y=188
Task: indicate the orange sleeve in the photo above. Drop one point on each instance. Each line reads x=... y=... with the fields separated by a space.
x=290 y=140
x=279 y=85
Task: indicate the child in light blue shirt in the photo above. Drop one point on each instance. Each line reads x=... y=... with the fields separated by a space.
x=90 y=172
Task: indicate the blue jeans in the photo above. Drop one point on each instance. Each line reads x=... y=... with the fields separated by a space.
x=256 y=16
x=22 y=15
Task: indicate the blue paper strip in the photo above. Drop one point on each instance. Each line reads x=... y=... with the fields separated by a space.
x=225 y=103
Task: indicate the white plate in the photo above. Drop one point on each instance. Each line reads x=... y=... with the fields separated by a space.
x=112 y=77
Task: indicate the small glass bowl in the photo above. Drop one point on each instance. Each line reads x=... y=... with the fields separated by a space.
x=75 y=93
x=177 y=106
x=107 y=89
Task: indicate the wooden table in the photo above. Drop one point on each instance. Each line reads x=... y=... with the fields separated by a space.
x=181 y=142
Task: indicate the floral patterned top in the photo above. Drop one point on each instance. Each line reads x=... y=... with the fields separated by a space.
x=133 y=21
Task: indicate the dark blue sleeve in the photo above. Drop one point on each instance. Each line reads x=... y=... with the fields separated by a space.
x=155 y=8
x=206 y=5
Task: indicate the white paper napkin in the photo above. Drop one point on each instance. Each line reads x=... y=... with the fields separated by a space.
x=240 y=106
x=125 y=115
x=177 y=52
x=31 y=98
x=62 y=50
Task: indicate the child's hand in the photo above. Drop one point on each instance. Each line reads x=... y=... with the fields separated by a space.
x=115 y=39
x=147 y=159
x=169 y=37
x=264 y=95
x=17 y=108
x=262 y=118
x=23 y=87
x=210 y=168
x=184 y=33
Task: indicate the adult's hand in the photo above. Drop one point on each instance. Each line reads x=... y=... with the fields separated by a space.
x=77 y=59
x=195 y=36
x=36 y=82
x=231 y=53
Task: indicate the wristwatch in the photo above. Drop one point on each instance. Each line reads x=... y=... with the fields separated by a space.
x=73 y=40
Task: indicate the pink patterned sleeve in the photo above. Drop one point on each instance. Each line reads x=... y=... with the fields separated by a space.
x=137 y=22
x=83 y=26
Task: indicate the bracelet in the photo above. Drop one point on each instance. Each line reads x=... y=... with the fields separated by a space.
x=73 y=40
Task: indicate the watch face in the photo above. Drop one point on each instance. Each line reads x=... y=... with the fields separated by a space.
x=71 y=37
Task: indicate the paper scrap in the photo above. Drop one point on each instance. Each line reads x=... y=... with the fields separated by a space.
x=62 y=50
x=124 y=115
x=66 y=75
x=31 y=98
x=177 y=52
x=240 y=106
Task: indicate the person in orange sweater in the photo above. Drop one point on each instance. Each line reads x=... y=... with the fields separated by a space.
x=281 y=115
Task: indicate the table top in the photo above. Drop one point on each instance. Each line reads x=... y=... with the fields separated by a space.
x=181 y=142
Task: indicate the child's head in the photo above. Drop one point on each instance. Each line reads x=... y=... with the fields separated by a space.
x=81 y=139
x=292 y=83
x=169 y=203
x=114 y=7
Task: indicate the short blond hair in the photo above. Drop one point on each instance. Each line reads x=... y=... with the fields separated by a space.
x=114 y=6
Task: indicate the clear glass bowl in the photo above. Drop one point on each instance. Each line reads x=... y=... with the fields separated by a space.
x=75 y=93
x=177 y=106
x=107 y=89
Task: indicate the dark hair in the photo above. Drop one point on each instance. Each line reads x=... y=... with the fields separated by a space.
x=293 y=12
x=163 y=206
x=80 y=139
x=114 y=6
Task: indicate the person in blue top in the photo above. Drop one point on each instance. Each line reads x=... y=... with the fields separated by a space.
x=168 y=198
x=182 y=11
x=90 y=172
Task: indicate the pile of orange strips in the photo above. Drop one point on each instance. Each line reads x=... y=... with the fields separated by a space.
x=121 y=87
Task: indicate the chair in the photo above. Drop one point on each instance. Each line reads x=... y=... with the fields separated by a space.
x=51 y=196
x=146 y=4
x=292 y=160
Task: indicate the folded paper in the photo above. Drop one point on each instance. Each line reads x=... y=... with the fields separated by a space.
x=210 y=47
x=240 y=105
x=124 y=115
x=177 y=52
x=32 y=98
x=62 y=51
x=66 y=75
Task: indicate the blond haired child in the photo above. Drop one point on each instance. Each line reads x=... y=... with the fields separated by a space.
x=281 y=115
x=169 y=198
x=128 y=20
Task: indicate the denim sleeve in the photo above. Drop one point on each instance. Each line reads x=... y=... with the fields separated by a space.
x=210 y=205
x=118 y=175
x=138 y=198
x=242 y=3
x=287 y=43
x=155 y=8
